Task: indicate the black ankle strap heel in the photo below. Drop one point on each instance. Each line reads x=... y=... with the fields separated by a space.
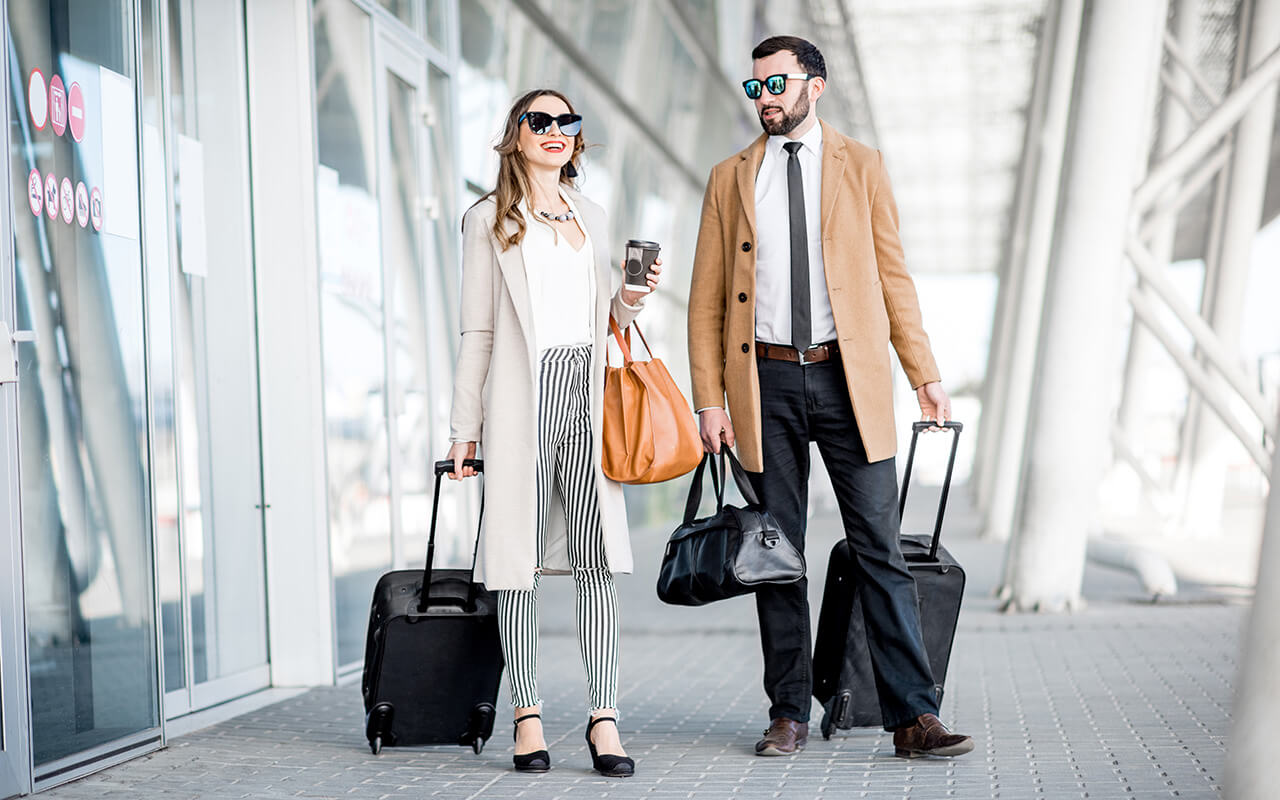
x=538 y=760
x=610 y=766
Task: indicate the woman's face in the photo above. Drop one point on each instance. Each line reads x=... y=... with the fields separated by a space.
x=552 y=149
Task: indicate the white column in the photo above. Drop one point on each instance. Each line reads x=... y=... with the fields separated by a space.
x=300 y=616
x=1004 y=464
x=1213 y=446
x=1075 y=388
x=1257 y=700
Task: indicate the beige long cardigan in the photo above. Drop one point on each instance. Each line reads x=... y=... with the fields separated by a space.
x=495 y=401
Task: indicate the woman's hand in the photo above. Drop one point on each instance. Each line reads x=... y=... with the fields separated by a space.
x=630 y=296
x=459 y=452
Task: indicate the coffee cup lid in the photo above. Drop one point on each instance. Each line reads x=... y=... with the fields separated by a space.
x=642 y=243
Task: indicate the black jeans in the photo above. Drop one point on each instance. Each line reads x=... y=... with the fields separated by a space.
x=800 y=404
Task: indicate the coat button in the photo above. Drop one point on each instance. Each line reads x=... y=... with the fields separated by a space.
x=742 y=297
x=746 y=348
x=746 y=247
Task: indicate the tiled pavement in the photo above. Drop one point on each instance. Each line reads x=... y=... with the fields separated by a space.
x=1122 y=700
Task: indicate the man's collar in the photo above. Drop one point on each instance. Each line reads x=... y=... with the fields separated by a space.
x=811 y=140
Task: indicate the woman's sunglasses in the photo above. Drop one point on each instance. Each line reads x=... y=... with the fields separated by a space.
x=540 y=122
x=776 y=84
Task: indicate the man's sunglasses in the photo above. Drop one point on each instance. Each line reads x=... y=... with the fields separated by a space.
x=776 y=84
x=540 y=122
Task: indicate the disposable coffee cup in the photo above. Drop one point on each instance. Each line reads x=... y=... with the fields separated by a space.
x=640 y=257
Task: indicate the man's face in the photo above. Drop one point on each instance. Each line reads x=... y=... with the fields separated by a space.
x=781 y=113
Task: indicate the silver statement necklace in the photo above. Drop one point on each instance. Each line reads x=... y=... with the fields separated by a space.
x=565 y=217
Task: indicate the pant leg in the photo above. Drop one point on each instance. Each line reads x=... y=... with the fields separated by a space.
x=595 y=596
x=518 y=631
x=518 y=608
x=868 y=497
x=783 y=488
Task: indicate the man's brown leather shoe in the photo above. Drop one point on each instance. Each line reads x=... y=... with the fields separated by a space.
x=929 y=737
x=785 y=737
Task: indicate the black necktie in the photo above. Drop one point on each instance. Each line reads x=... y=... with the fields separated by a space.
x=801 y=327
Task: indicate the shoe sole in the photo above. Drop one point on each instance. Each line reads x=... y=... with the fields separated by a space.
x=533 y=769
x=615 y=774
x=773 y=751
x=953 y=750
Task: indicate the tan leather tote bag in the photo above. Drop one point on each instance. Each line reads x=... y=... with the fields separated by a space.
x=650 y=434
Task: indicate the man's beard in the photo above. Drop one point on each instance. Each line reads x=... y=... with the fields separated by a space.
x=786 y=121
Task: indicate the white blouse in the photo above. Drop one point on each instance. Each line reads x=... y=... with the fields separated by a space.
x=561 y=281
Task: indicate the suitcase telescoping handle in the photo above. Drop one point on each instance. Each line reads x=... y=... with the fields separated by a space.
x=444 y=468
x=916 y=429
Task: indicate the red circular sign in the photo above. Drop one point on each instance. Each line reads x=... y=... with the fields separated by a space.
x=75 y=112
x=95 y=208
x=68 y=199
x=35 y=192
x=57 y=105
x=51 y=196
x=38 y=99
x=82 y=204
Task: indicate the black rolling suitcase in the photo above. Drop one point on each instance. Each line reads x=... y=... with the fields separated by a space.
x=842 y=677
x=432 y=661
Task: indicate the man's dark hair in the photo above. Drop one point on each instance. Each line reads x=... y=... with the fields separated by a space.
x=806 y=52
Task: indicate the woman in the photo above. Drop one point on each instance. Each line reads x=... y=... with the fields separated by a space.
x=535 y=310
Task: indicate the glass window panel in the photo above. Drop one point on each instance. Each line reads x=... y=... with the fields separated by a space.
x=402 y=251
x=86 y=513
x=437 y=23
x=403 y=9
x=212 y=281
x=351 y=318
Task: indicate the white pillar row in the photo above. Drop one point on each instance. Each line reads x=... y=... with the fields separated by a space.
x=1212 y=445
x=300 y=618
x=1076 y=383
x=1016 y=368
x=1257 y=700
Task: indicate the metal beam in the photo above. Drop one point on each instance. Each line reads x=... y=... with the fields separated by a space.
x=1144 y=310
x=1214 y=127
x=1212 y=348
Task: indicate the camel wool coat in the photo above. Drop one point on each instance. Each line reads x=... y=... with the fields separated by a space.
x=495 y=401
x=872 y=296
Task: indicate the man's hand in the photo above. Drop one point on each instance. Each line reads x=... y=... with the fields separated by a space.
x=715 y=427
x=934 y=404
x=458 y=452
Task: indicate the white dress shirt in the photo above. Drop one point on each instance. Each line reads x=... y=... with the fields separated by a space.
x=773 y=241
x=561 y=281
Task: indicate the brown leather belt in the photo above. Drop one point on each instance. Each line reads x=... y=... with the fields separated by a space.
x=782 y=352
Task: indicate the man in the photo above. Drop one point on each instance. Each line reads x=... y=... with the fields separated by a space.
x=798 y=287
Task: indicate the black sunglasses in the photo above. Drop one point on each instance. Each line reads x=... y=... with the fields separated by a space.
x=776 y=84
x=540 y=122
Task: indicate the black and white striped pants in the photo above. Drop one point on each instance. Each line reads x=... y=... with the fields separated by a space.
x=564 y=456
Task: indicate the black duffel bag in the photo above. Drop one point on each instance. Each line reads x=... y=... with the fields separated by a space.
x=729 y=553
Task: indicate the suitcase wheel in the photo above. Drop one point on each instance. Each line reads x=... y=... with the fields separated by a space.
x=376 y=745
x=477 y=745
x=828 y=725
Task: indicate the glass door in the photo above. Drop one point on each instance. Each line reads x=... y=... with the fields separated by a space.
x=207 y=447
x=15 y=754
x=73 y=250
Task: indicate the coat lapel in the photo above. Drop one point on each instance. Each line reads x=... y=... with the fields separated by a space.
x=833 y=163
x=747 y=169
x=511 y=262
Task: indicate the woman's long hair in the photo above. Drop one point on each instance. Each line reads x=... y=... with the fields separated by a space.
x=513 y=176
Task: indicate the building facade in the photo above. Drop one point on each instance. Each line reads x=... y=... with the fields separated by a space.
x=229 y=282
